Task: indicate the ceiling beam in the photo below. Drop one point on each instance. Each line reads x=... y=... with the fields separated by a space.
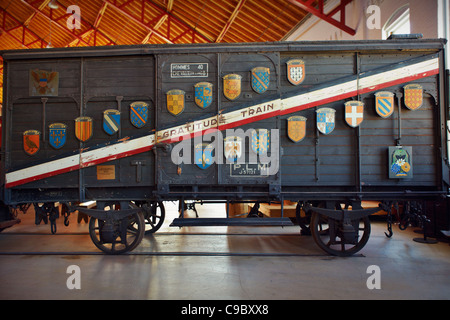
x=230 y=20
x=171 y=19
x=63 y=26
x=20 y=32
x=318 y=11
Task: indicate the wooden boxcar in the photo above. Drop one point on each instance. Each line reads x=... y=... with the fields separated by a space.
x=325 y=124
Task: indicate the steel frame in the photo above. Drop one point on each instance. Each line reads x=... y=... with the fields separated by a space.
x=318 y=10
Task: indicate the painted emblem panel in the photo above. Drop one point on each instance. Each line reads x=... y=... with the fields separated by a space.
x=413 y=96
x=175 y=101
x=326 y=120
x=384 y=103
x=232 y=86
x=203 y=155
x=84 y=128
x=203 y=94
x=31 y=142
x=400 y=162
x=57 y=135
x=354 y=113
x=139 y=114
x=260 y=79
x=43 y=83
x=296 y=71
x=296 y=128
x=111 y=121
x=260 y=141
x=233 y=148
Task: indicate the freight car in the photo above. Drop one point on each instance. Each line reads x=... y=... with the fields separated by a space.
x=327 y=125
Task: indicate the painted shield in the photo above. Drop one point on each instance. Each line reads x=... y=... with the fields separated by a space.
x=296 y=128
x=57 y=135
x=296 y=71
x=43 y=83
x=384 y=103
x=413 y=96
x=354 y=113
x=84 y=128
x=175 y=101
x=203 y=94
x=111 y=121
x=232 y=86
x=139 y=114
x=260 y=79
x=233 y=148
x=400 y=162
x=326 y=120
x=203 y=155
x=260 y=141
x=31 y=142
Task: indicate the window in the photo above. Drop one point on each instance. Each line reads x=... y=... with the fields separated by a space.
x=398 y=23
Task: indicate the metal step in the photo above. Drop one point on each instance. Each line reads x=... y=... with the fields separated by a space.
x=218 y=222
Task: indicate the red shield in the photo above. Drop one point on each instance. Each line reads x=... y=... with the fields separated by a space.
x=31 y=142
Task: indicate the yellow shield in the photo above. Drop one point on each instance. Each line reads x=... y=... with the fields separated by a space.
x=232 y=86
x=175 y=101
x=413 y=96
x=296 y=128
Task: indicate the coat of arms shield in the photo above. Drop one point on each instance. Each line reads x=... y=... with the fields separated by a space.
x=203 y=155
x=296 y=71
x=57 y=135
x=260 y=79
x=384 y=103
x=84 y=128
x=260 y=141
x=203 y=94
x=233 y=148
x=354 y=113
x=43 y=83
x=413 y=96
x=139 y=114
x=326 y=120
x=111 y=121
x=31 y=142
x=232 y=86
x=296 y=127
x=175 y=101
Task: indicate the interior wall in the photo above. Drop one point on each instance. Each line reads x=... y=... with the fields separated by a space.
x=423 y=18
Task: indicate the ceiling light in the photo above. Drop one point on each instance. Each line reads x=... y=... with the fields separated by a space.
x=53 y=5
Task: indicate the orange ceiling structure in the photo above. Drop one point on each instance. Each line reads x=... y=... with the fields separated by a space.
x=28 y=24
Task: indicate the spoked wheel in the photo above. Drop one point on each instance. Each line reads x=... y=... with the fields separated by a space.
x=154 y=215
x=117 y=236
x=336 y=238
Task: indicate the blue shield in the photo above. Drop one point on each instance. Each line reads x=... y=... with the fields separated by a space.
x=203 y=94
x=203 y=155
x=260 y=141
x=326 y=120
x=260 y=79
x=111 y=121
x=139 y=114
x=57 y=135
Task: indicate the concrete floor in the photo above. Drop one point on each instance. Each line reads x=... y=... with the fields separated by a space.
x=408 y=270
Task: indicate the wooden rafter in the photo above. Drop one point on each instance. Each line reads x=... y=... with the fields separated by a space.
x=160 y=20
x=231 y=20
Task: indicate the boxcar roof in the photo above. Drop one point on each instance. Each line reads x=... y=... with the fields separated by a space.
x=304 y=46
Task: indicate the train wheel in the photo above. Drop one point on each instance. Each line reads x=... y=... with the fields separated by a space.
x=117 y=236
x=337 y=239
x=154 y=218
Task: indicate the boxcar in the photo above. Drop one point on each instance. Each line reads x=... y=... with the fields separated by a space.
x=327 y=125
